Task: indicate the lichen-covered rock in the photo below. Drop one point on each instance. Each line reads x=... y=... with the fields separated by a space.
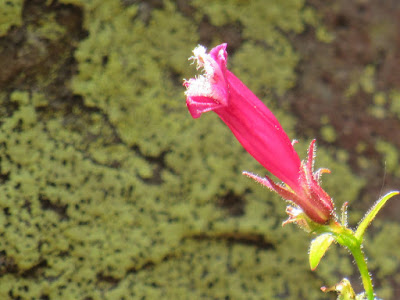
x=109 y=190
x=10 y=15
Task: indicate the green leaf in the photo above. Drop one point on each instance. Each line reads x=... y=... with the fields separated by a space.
x=318 y=247
x=370 y=215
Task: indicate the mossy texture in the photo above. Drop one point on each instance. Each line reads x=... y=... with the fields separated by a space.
x=10 y=15
x=385 y=259
x=121 y=195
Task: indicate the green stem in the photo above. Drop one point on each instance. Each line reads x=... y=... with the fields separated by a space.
x=347 y=238
x=362 y=267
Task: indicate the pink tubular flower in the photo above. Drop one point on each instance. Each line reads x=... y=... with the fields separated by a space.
x=250 y=120
x=259 y=132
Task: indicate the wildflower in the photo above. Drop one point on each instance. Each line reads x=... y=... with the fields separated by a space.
x=258 y=130
x=250 y=120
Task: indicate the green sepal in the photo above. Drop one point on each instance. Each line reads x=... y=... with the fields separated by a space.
x=318 y=248
x=370 y=215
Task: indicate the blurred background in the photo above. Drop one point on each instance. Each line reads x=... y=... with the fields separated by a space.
x=110 y=190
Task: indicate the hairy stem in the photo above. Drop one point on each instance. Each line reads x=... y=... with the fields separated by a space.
x=362 y=267
x=348 y=239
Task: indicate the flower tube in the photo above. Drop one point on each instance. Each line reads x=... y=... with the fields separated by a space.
x=257 y=129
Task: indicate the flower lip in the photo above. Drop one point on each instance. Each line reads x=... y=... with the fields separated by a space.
x=208 y=91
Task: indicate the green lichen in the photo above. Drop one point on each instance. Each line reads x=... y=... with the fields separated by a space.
x=117 y=196
x=364 y=81
x=253 y=59
x=271 y=15
x=10 y=15
x=342 y=156
x=361 y=147
x=367 y=82
x=385 y=259
x=266 y=62
x=363 y=162
x=324 y=35
x=378 y=109
x=328 y=133
x=395 y=102
x=137 y=73
x=314 y=19
x=390 y=157
x=47 y=28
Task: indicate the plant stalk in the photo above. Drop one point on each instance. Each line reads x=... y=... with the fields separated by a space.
x=362 y=267
x=348 y=239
